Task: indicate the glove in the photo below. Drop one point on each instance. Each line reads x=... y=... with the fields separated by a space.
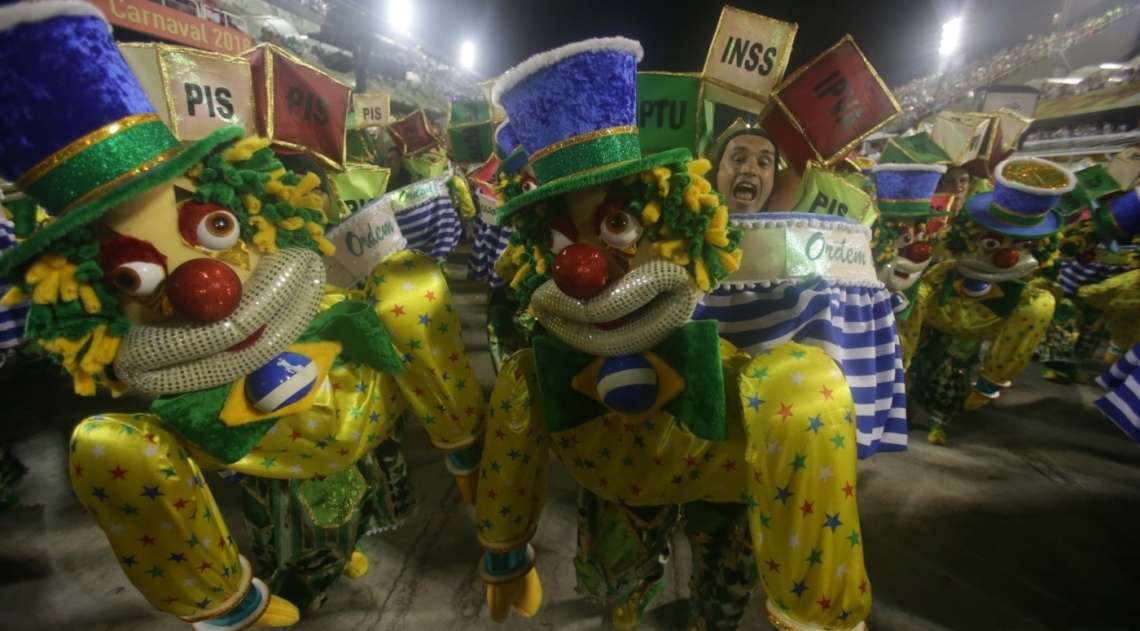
x=464 y=465
x=522 y=593
x=512 y=583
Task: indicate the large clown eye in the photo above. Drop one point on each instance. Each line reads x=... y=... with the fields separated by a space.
x=208 y=226
x=990 y=242
x=528 y=183
x=563 y=232
x=617 y=228
x=138 y=279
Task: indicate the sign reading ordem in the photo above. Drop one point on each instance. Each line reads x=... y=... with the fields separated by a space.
x=170 y=24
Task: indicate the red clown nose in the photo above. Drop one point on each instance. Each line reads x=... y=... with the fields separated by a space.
x=204 y=290
x=581 y=271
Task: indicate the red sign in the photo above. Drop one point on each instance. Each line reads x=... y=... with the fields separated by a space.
x=412 y=133
x=831 y=104
x=299 y=106
x=173 y=25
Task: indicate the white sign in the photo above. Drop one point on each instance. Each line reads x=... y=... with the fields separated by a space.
x=371 y=110
x=362 y=241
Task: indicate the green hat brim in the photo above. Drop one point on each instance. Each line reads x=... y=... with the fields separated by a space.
x=508 y=210
x=89 y=212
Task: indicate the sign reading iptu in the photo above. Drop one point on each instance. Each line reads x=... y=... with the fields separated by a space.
x=748 y=56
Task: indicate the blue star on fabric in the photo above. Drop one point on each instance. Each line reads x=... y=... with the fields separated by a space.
x=202 y=605
x=177 y=558
x=814 y=424
x=424 y=319
x=848 y=417
x=832 y=522
x=755 y=402
x=843 y=616
x=799 y=587
x=129 y=561
x=505 y=510
x=99 y=493
x=784 y=493
x=151 y=492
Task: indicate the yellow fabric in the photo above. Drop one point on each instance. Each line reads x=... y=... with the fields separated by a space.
x=239 y=410
x=1014 y=339
x=1119 y=298
x=144 y=484
x=910 y=329
x=790 y=456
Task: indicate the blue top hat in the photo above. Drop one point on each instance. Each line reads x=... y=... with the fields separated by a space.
x=1120 y=219
x=77 y=133
x=510 y=150
x=574 y=110
x=1023 y=201
x=903 y=191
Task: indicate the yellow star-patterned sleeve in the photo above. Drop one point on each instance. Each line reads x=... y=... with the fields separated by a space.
x=1014 y=338
x=411 y=296
x=910 y=329
x=804 y=520
x=1119 y=298
x=514 y=468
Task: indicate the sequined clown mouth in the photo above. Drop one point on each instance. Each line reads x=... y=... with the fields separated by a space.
x=279 y=300
x=900 y=273
x=990 y=273
x=632 y=315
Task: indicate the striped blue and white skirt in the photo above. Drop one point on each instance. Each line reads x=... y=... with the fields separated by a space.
x=431 y=223
x=1122 y=403
x=823 y=292
x=490 y=241
x=12 y=318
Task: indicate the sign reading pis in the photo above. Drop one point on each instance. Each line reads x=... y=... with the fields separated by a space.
x=371 y=110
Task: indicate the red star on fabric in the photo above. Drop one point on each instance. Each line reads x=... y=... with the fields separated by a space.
x=785 y=410
x=470 y=411
x=824 y=603
x=78 y=470
x=205 y=566
x=430 y=296
x=335 y=386
x=806 y=509
x=149 y=437
x=295 y=435
x=418 y=391
x=118 y=473
x=180 y=504
x=602 y=481
x=522 y=492
x=432 y=371
x=222 y=543
x=690 y=460
x=491 y=494
x=658 y=461
x=757 y=474
x=636 y=490
x=147 y=540
x=772 y=565
x=848 y=490
x=826 y=393
x=398 y=310
x=628 y=427
x=170 y=600
x=499 y=434
x=454 y=357
x=863 y=586
x=343 y=452
x=607 y=422
x=729 y=465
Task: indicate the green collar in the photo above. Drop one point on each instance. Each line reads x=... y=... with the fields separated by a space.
x=693 y=351
x=911 y=294
x=194 y=415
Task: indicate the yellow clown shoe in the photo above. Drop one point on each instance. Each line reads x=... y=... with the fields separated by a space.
x=628 y=614
x=357 y=566
x=937 y=435
x=257 y=608
x=279 y=613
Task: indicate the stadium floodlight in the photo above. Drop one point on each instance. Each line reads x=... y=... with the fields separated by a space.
x=951 y=34
x=467 y=55
x=400 y=15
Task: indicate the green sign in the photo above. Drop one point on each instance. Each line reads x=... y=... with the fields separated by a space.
x=358 y=186
x=1093 y=183
x=916 y=149
x=471 y=143
x=672 y=113
x=823 y=192
x=467 y=112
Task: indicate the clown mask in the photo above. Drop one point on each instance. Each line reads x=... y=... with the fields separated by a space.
x=206 y=305
x=913 y=252
x=997 y=258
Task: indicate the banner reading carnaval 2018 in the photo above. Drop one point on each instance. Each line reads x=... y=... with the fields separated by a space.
x=169 y=24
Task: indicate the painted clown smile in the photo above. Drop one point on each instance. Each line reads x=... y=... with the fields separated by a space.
x=900 y=273
x=631 y=315
x=990 y=273
x=279 y=300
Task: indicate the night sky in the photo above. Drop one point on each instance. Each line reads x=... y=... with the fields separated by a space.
x=900 y=37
